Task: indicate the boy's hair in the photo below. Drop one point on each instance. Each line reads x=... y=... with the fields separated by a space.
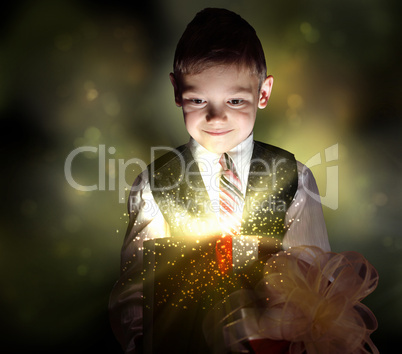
x=219 y=37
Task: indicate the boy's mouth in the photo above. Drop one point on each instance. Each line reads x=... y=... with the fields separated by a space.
x=217 y=132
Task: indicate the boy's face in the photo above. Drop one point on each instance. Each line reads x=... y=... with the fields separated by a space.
x=220 y=105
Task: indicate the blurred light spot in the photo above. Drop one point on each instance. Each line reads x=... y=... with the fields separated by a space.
x=82 y=270
x=64 y=42
x=380 y=199
x=110 y=104
x=91 y=91
x=92 y=136
x=92 y=94
x=311 y=34
x=28 y=207
x=305 y=28
x=295 y=101
x=72 y=223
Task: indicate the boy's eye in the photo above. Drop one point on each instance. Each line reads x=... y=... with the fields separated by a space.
x=197 y=101
x=236 y=102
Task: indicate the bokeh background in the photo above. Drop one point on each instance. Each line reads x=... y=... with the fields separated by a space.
x=82 y=73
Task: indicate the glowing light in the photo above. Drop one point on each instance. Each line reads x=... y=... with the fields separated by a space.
x=311 y=34
x=92 y=94
x=295 y=101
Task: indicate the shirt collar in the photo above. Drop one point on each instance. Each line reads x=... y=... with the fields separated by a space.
x=241 y=154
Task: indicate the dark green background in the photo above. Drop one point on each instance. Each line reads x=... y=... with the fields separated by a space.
x=81 y=73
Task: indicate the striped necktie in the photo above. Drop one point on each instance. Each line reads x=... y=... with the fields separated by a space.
x=230 y=207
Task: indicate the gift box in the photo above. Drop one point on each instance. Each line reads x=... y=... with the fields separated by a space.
x=308 y=301
x=182 y=282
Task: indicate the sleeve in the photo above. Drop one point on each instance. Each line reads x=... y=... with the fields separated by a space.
x=305 y=219
x=125 y=304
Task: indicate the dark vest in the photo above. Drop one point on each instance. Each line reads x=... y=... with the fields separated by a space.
x=183 y=273
x=179 y=191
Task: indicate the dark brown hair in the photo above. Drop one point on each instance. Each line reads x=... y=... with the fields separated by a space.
x=219 y=37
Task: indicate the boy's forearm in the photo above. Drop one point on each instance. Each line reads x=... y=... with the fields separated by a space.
x=125 y=306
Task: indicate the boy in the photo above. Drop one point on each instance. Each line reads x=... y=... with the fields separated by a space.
x=222 y=182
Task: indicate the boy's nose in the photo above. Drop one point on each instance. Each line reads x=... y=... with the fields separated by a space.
x=215 y=113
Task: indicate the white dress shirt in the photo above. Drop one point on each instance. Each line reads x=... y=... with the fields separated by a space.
x=304 y=219
x=304 y=222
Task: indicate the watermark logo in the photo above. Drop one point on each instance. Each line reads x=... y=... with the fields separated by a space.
x=330 y=199
x=111 y=173
x=115 y=172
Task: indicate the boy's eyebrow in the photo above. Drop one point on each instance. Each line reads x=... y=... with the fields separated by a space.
x=189 y=89
x=235 y=90
x=241 y=89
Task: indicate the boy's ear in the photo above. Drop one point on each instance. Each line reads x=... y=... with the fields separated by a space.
x=265 y=92
x=177 y=96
